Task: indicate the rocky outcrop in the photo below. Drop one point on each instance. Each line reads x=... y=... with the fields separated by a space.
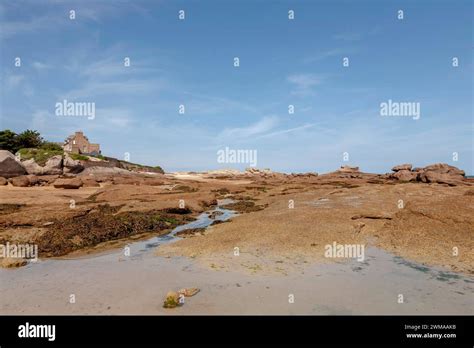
x=443 y=168
x=257 y=171
x=402 y=167
x=99 y=170
x=348 y=169
x=405 y=175
x=53 y=166
x=3 y=181
x=66 y=183
x=440 y=173
x=9 y=165
x=71 y=166
x=429 y=176
x=303 y=175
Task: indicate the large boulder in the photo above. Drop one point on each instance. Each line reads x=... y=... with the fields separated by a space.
x=443 y=168
x=44 y=180
x=404 y=175
x=434 y=177
x=3 y=181
x=68 y=183
x=53 y=166
x=33 y=179
x=71 y=166
x=20 y=181
x=32 y=167
x=406 y=166
x=441 y=173
x=9 y=165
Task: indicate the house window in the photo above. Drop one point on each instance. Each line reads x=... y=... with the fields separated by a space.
x=74 y=142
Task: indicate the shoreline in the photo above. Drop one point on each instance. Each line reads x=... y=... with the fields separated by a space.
x=318 y=289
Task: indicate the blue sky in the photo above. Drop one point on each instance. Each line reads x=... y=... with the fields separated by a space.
x=282 y=62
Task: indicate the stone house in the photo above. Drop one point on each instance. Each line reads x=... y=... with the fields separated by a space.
x=79 y=143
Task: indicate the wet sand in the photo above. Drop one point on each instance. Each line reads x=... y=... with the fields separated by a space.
x=114 y=284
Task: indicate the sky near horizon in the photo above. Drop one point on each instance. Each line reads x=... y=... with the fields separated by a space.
x=283 y=62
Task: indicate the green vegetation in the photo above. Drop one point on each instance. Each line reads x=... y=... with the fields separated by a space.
x=78 y=157
x=166 y=219
x=171 y=302
x=47 y=145
x=40 y=156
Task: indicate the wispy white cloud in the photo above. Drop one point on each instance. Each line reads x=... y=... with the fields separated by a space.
x=303 y=84
x=35 y=24
x=262 y=126
x=58 y=15
x=13 y=81
x=94 y=89
x=289 y=130
x=17 y=83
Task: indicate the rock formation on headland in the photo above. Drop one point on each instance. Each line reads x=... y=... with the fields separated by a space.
x=63 y=171
x=440 y=173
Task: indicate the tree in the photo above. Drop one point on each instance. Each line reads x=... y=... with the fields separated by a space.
x=8 y=140
x=28 y=139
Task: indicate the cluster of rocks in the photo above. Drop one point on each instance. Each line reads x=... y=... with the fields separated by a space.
x=440 y=173
x=252 y=173
x=303 y=175
x=11 y=166
x=346 y=172
x=67 y=173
